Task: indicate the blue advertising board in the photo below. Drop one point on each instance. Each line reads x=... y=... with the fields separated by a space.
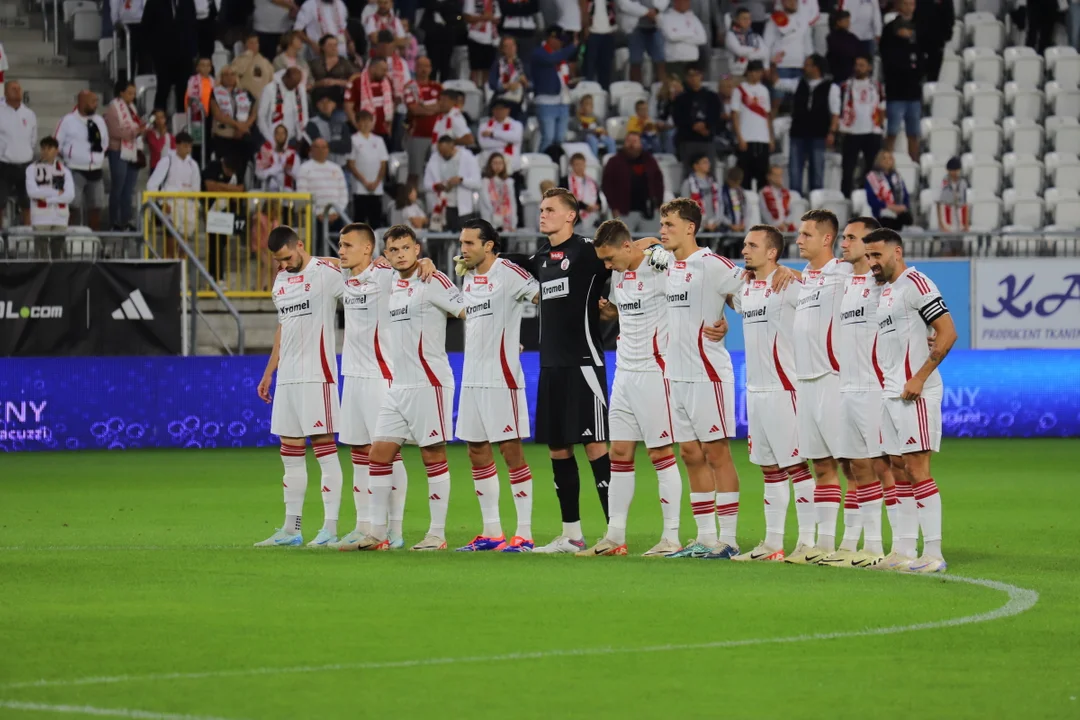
x=208 y=402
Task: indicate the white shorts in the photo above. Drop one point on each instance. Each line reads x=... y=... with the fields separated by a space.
x=819 y=416
x=773 y=436
x=305 y=409
x=492 y=415
x=908 y=427
x=420 y=415
x=860 y=425
x=703 y=411
x=640 y=409
x=361 y=399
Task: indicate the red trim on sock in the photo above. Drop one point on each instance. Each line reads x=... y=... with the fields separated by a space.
x=903 y=490
x=293 y=450
x=925 y=489
x=623 y=467
x=520 y=475
x=436 y=469
x=800 y=473
x=827 y=495
x=775 y=477
x=359 y=457
x=397 y=457
x=705 y=507
x=380 y=469
x=664 y=463
x=483 y=473
x=324 y=449
x=729 y=509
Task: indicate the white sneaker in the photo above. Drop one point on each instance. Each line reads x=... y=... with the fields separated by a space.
x=894 y=561
x=561 y=545
x=396 y=541
x=281 y=538
x=352 y=538
x=927 y=564
x=323 y=539
x=662 y=549
x=430 y=543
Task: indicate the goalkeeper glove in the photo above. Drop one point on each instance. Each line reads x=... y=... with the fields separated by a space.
x=659 y=258
x=460 y=267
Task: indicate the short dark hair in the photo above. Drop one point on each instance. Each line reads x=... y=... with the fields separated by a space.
x=359 y=227
x=183 y=138
x=735 y=175
x=398 y=231
x=884 y=235
x=773 y=237
x=820 y=63
x=611 y=233
x=697 y=157
x=822 y=216
x=839 y=15
x=49 y=141
x=324 y=38
x=320 y=94
x=870 y=223
x=121 y=86
x=280 y=237
x=684 y=208
x=869 y=60
x=486 y=232
x=383 y=37
x=364 y=115
x=445 y=139
x=576 y=156
x=565 y=197
x=376 y=59
x=740 y=11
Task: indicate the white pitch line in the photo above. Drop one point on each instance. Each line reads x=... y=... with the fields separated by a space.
x=100 y=712
x=95 y=548
x=1020 y=600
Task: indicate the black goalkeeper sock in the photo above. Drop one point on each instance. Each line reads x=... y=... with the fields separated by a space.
x=568 y=488
x=601 y=471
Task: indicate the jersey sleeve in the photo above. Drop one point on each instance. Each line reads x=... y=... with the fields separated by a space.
x=723 y=275
x=445 y=295
x=523 y=285
x=334 y=280
x=924 y=297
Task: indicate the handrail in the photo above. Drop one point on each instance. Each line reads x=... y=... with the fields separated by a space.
x=194 y=260
x=56 y=26
x=127 y=55
x=331 y=247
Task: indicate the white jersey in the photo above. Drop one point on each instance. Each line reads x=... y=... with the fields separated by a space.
x=417 y=330
x=907 y=307
x=643 y=319
x=768 y=329
x=858 y=329
x=697 y=289
x=367 y=313
x=306 y=304
x=817 y=313
x=494 y=303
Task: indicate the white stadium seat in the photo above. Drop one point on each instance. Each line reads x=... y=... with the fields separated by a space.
x=1063 y=65
x=984 y=176
x=986 y=32
x=753 y=208
x=984 y=101
x=1053 y=196
x=1024 y=66
x=985 y=212
x=672 y=170
x=984 y=65
x=1023 y=136
x=933 y=169
x=621 y=88
x=1024 y=103
x=859 y=205
x=1066 y=135
x=832 y=200
x=1063 y=101
x=942 y=138
x=952 y=72
x=616 y=128
x=474 y=97
x=537 y=168
x=946 y=105
x=1024 y=208
x=1063 y=170
x=982 y=136
x=928 y=207
x=1024 y=172
x=1067 y=213
x=908 y=170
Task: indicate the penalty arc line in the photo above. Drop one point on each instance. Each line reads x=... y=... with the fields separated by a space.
x=1020 y=600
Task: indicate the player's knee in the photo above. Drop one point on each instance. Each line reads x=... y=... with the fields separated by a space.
x=717 y=454
x=512 y=453
x=560 y=452
x=594 y=451
x=692 y=455
x=622 y=452
x=431 y=454
x=382 y=453
x=657 y=455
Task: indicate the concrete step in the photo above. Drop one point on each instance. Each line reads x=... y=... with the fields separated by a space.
x=11 y=22
x=21 y=60
x=52 y=91
x=54 y=71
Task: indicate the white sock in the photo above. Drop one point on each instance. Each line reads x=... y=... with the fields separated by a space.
x=727 y=516
x=802 y=483
x=486 y=484
x=703 y=505
x=620 y=495
x=670 y=483
x=827 y=507
x=438 y=496
x=777 y=497
x=928 y=505
x=521 y=486
x=360 y=493
x=907 y=521
x=379 y=479
x=573 y=530
x=853 y=524
x=330 y=465
x=295 y=484
x=870 y=508
x=399 y=490
x=892 y=508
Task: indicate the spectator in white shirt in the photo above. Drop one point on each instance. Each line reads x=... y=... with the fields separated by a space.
x=83 y=139
x=407 y=210
x=324 y=17
x=50 y=188
x=683 y=37
x=503 y=134
x=284 y=102
x=498 y=196
x=18 y=136
x=787 y=35
x=367 y=164
x=271 y=20
x=326 y=183
x=483 y=19
x=178 y=173
x=384 y=19
x=752 y=121
x=452 y=176
x=865 y=22
x=743 y=44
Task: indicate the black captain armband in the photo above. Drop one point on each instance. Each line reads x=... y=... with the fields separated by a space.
x=932 y=310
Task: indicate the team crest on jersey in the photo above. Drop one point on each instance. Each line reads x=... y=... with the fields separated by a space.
x=630 y=275
x=557 y=254
x=688 y=276
x=565 y=264
x=886 y=292
x=355 y=282
x=297 y=279
x=768 y=292
x=866 y=292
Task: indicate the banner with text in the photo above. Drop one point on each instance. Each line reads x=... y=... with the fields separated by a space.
x=103 y=308
x=1027 y=303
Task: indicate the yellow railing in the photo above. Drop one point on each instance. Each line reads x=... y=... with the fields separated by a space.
x=228 y=232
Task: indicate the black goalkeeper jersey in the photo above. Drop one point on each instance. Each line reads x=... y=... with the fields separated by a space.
x=572 y=281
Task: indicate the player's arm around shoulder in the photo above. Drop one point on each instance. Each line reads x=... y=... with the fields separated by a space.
x=609 y=311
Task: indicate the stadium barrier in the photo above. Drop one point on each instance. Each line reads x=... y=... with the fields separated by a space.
x=205 y=402
x=227 y=232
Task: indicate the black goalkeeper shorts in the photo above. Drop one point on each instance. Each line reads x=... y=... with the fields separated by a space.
x=571 y=406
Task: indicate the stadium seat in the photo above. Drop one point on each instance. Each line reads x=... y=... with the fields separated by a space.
x=672 y=170
x=616 y=128
x=398 y=166
x=1063 y=101
x=145 y=93
x=1053 y=195
x=928 y=208
x=1023 y=172
x=984 y=175
x=985 y=212
x=982 y=136
x=942 y=138
x=859 y=204
x=951 y=73
x=1063 y=170
x=600 y=97
x=1063 y=65
x=625 y=94
x=569 y=149
x=946 y=105
x=956 y=41
x=983 y=100
x=985 y=31
x=1024 y=66
x=933 y=170
x=1066 y=213
x=1024 y=103
x=753 y=208
x=833 y=200
x=983 y=65
x=908 y=170
x=474 y=98
x=537 y=168
x=1064 y=134
x=993 y=7
x=1023 y=136
x=782 y=134
x=1024 y=208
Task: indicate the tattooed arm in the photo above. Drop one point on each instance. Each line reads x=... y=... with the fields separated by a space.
x=944 y=339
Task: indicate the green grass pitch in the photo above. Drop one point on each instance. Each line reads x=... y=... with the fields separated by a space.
x=136 y=568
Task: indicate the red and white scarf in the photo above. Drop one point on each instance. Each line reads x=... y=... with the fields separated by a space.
x=444 y=125
x=279 y=161
x=882 y=186
x=194 y=89
x=563 y=69
x=584 y=189
x=278 y=116
x=126 y=114
x=696 y=195
x=484 y=28
x=338 y=20
x=501 y=204
x=778 y=204
x=399 y=75
x=235 y=103
x=437 y=221
x=508 y=149
x=508 y=71
x=750 y=102
x=874 y=98
x=367 y=99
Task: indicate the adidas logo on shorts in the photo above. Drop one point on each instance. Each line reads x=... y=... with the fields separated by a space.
x=433 y=433
x=508 y=429
x=910 y=441
x=714 y=429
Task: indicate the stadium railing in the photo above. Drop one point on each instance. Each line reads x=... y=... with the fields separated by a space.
x=227 y=233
